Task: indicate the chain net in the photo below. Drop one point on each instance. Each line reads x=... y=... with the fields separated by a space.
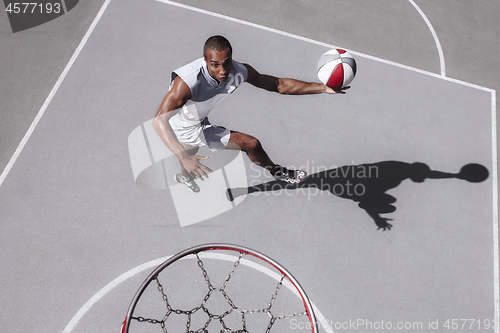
x=204 y=317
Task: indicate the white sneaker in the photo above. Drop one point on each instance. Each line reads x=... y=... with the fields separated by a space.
x=290 y=176
x=189 y=182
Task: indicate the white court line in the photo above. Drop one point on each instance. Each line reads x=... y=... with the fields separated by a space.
x=110 y=286
x=434 y=35
x=63 y=2
x=494 y=171
x=312 y=41
x=40 y=113
x=155 y=263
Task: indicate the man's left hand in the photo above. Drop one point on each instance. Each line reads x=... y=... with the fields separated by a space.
x=329 y=90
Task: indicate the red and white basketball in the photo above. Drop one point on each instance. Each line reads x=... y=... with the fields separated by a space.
x=336 y=68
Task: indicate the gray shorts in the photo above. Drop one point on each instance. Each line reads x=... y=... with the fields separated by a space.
x=202 y=134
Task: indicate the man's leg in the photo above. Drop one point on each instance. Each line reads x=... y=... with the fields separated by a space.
x=253 y=148
x=256 y=153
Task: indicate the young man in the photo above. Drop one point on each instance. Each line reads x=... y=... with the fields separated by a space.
x=182 y=123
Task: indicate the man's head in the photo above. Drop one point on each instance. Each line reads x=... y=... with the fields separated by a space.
x=217 y=43
x=218 y=56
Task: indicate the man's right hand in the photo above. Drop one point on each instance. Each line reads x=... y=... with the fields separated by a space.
x=194 y=167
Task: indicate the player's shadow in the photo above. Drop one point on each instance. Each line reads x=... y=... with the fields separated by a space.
x=367 y=184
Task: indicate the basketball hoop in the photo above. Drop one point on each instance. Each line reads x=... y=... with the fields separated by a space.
x=249 y=297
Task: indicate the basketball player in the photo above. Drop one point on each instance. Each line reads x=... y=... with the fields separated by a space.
x=182 y=122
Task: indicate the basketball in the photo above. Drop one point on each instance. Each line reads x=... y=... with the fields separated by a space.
x=336 y=68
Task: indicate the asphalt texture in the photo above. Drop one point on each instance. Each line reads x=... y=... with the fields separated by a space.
x=73 y=218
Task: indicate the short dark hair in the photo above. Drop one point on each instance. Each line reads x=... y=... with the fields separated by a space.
x=217 y=43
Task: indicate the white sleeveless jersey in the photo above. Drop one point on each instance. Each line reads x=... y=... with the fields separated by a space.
x=206 y=92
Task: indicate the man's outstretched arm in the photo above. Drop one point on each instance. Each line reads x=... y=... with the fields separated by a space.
x=287 y=86
x=175 y=99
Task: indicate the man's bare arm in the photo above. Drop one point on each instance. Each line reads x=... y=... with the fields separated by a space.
x=173 y=101
x=285 y=85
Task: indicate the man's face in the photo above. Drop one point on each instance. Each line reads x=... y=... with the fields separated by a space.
x=219 y=64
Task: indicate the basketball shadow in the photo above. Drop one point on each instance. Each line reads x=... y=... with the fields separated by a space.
x=367 y=184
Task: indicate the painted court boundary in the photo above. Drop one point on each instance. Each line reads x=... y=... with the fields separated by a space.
x=258 y=26
x=434 y=35
x=117 y=281
x=155 y=263
x=51 y=95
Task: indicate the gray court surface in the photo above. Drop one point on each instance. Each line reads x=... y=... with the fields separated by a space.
x=77 y=222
